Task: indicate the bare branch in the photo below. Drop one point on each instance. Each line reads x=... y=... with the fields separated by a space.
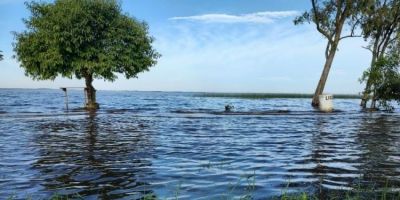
x=353 y=28
x=368 y=48
x=350 y=36
x=318 y=21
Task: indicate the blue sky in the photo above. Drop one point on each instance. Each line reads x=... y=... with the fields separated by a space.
x=215 y=46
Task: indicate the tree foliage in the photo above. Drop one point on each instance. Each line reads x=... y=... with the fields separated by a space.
x=380 y=25
x=1 y=56
x=384 y=78
x=81 y=38
x=380 y=22
x=330 y=18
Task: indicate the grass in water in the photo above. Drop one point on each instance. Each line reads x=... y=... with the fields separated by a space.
x=357 y=193
x=249 y=181
x=384 y=194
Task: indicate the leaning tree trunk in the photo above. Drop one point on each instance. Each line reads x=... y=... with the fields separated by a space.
x=324 y=75
x=90 y=93
x=366 y=93
x=373 y=103
x=330 y=51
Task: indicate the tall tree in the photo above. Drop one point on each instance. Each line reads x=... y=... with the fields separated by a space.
x=85 y=39
x=381 y=25
x=330 y=17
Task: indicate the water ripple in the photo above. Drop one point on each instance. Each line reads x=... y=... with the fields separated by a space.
x=170 y=144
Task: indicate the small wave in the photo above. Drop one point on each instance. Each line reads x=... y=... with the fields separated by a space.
x=269 y=112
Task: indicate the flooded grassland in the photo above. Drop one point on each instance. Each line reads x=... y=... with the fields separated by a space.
x=185 y=145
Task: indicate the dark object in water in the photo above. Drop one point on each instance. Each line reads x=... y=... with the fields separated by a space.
x=229 y=108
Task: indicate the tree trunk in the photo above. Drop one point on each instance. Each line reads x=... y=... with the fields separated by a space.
x=364 y=98
x=324 y=75
x=365 y=95
x=376 y=54
x=373 y=102
x=90 y=93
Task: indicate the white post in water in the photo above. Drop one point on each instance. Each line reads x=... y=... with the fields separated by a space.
x=326 y=102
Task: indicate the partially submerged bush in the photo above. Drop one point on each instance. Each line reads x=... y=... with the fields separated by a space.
x=385 y=81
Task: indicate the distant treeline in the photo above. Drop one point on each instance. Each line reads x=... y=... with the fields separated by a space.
x=272 y=95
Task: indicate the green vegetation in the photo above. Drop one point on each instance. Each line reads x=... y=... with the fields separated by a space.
x=384 y=81
x=245 y=187
x=85 y=39
x=379 y=21
x=380 y=25
x=270 y=95
x=357 y=193
x=330 y=18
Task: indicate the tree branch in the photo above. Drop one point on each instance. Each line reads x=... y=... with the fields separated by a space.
x=327 y=50
x=350 y=36
x=318 y=21
x=368 y=48
x=353 y=28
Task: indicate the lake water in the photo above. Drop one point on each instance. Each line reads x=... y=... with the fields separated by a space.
x=184 y=145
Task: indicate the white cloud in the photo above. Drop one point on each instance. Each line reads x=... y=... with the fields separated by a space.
x=258 y=17
x=277 y=57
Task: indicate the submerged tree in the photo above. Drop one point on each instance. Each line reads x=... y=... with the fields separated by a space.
x=381 y=25
x=384 y=80
x=330 y=17
x=85 y=39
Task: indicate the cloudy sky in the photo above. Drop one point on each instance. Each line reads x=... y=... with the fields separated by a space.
x=215 y=46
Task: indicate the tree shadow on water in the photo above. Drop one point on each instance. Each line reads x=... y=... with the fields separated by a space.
x=99 y=156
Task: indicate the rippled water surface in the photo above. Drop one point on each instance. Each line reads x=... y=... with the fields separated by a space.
x=183 y=145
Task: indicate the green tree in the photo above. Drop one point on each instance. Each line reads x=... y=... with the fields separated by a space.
x=384 y=79
x=85 y=39
x=380 y=25
x=330 y=17
x=1 y=56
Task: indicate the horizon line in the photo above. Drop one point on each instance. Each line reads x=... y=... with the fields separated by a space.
x=215 y=92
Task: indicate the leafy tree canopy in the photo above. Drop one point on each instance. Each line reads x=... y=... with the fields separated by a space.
x=83 y=38
x=380 y=18
x=330 y=18
x=384 y=77
x=327 y=15
x=380 y=25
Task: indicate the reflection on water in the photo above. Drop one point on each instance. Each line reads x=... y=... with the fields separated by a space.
x=380 y=144
x=93 y=156
x=166 y=143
